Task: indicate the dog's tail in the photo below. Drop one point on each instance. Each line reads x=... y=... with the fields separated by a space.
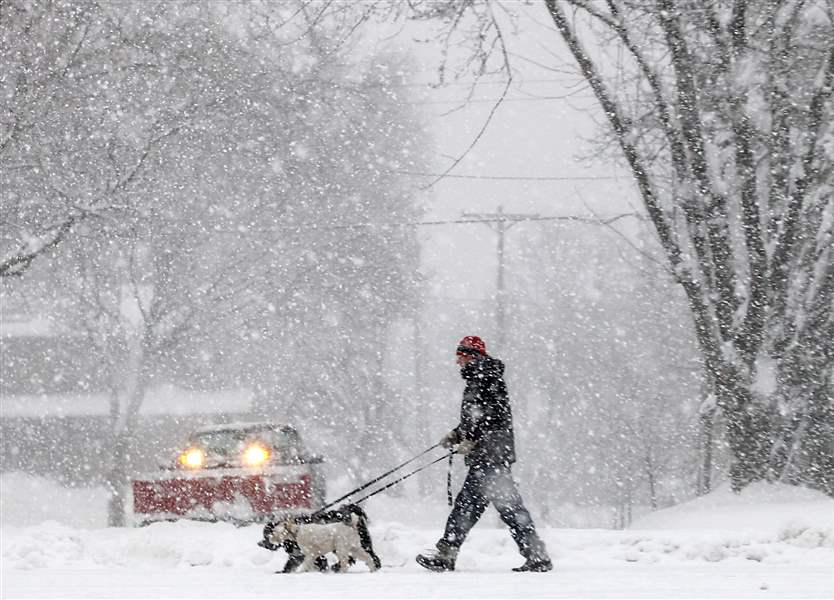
x=355 y=520
x=357 y=510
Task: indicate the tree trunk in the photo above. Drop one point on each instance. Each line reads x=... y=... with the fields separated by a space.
x=707 y=422
x=807 y=452
x=624 y=506
x=750 y=432
x=117 y=482
x=650 y=476
x=123 y=425
x=421 y=415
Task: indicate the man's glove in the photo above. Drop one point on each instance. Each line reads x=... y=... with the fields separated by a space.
x=450 y=439
x=465 y=447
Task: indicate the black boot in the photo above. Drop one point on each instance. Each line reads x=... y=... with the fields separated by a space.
x=535 y=565
x=321 y=564
x=265 y=543
x=443 y=559
x=294 y=557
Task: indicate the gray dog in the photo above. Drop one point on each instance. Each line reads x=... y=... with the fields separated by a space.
x=318 y=539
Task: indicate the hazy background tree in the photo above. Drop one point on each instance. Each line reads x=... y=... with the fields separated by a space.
x=80 y=118
x=255 y=252
x=611 y=396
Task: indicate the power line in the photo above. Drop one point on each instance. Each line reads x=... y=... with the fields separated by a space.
x=593 y=220
x=435 y=85
x=510 y=177
x=590 y=220
x=507 y=218
x=491 y=100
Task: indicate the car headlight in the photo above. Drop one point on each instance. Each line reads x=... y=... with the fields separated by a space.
x=255 y=455
x=193 y=458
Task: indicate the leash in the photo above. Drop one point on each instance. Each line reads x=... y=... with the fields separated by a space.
x=449 y=482
x=406 y=476
x=373 y=481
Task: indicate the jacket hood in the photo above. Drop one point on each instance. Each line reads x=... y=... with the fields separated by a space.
x=482 y=365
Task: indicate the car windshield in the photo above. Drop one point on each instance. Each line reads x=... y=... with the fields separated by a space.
x=231 y=442
x=221 y=442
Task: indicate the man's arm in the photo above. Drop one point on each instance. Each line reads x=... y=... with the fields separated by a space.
x=451 y=438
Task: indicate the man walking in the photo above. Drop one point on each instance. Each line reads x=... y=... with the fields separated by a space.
x=485 y=437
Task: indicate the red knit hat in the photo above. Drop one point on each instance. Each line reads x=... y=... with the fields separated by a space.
x=472 y=344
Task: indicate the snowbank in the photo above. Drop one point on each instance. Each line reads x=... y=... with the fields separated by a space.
x=46 y=525
x=764 y=523
x=760 y=507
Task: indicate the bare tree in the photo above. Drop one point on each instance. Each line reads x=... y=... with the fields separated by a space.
x=726 y=137
x=35 y=73
x=723 y=113
x=85 y=103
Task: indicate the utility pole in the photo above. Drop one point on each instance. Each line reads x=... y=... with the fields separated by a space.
x=500 y=222
x=421 y=416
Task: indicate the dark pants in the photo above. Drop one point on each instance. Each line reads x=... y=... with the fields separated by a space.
x=493 y=484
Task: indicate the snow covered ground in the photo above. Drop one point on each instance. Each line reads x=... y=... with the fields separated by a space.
x=770 y=542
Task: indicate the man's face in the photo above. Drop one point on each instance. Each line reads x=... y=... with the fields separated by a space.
x=464 y=359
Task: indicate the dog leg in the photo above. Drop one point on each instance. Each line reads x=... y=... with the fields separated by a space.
x=344 y=560
x=360 y=553
x=294 y=556
x=292 y=563
x=307 y=565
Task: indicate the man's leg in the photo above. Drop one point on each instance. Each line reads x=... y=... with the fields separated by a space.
x=502 y=491
x=469 y=506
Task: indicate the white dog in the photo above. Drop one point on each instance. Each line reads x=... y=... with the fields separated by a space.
x=318 y=539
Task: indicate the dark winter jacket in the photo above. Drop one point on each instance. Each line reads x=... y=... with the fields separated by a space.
x=485 y=415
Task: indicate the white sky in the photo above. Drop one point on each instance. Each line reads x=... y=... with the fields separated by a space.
x=541 y=130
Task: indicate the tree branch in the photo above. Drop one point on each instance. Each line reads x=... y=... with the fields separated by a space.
x=17 y=264
x=782 y=256
x=715 y=215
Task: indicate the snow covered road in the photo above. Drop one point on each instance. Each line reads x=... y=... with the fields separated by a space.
x=190 y=560
x=570 y=580
x=769 y=542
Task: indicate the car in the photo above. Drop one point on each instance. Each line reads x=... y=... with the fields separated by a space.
x=237 y=472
